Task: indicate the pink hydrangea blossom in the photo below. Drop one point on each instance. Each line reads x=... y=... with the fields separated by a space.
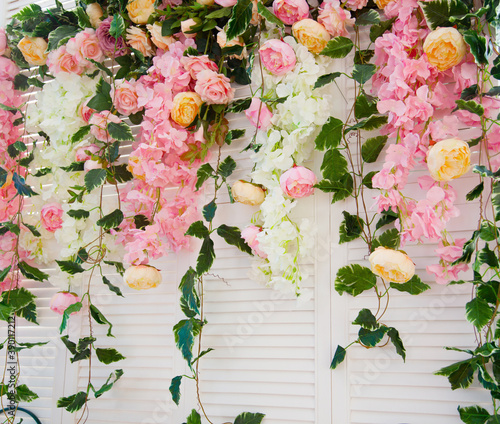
x=8 y=69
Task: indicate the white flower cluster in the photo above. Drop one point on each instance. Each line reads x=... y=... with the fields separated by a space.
x=295 y=124
x=57 y=113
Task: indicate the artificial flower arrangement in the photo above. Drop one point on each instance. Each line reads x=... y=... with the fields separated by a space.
x=169 y=67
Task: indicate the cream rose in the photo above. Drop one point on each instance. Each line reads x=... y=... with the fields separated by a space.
x=311 y=34
x=139 y=11
x=159 y=40
x=142 y=277
x=34 y=50
x=247 y=193
x=186 y=27
x=138 y=39
x=448 y=159
x=392 y=265
x=186 y=107
x=445 y=48
x=94 y=12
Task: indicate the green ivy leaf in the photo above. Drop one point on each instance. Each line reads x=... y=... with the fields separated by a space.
x=478 y=312
x=437 y=13
x=80 y=134
x=17 y=298
x=61 y=35
x=414 y=286
x=120 y=132
x=397 y=342
x=69 y=344
x=204 y=172
x=24 y=394
x=4 y=273
x=488 y=257
x=227 y=167
x=389 y=239
x=330 y=135
x=32 y=11
x=354 y=279
x=365 y=106
x=363 y=56
x=112 y=287
x=326 y=79
x=22 y=188
x=239 y=105
x=351 y=228
x=189 y=296
x=209 y=211
x=475 y=192
x=198 y=229
x=478 y=47
x=32 y=229
x=83 y=18
x=470 y=106
x=340 y=189
x=338 y=358
x=117 y=27
x=112 y=220
x=75 y=307
x=175 y=389
x=371 y=148
x=372 y=337
x=240 y=19
x=249 y=418
x=72 y=403
x=369 y=17
x=488 y=232
x=338 y=48
x=95 y=178
x=102 y=99
x=366 y=320
x=473 y=414
x=31 y=272
x=367 y=179
x=120 y=269
x=70 y=267
x=268 y=16
x=78 y=213
x=194 y=418
x=74 y=167
x=362 y=73
x=488 y=291
x=372 y=123
x=101 y=319
x=334 y=165
x=232 y=236
x=470 y=92
x=233 y=135
x=206 y=256
x=379 y=29
x=108 y=355
x=112 y=379
x=28 y=312
x=185 y=331
x=386 y=218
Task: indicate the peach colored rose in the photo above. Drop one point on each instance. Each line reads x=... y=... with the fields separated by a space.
x=34 y=50
x=247 y=193
x=277 y=57
x=85 y=111
x=259 y=114
x=61 y=61
x=392 y=265
x=99 y=122
x=311 y=34
x=214 y=88
x=125 y=97
x=51 y=216
x=186 y=27
x=448 y=159
x=85 y=45
x=291 y=11
x=195 y=64
x=95 y=14
x=62 y=300
x=445 y=48
x=159 y=40
x=298 y=182
x=185 y=108
x=142 y=277
x=139 y=11
x=249 y=234
x=138 y=39
x=335 y=19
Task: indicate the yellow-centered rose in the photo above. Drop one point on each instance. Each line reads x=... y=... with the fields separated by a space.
x=311 y=34
x=139 y=11
x=94 y=11
x=445 y=48
x=448 y=159
x=247 y=193
x=382 y=3
x=392 y=265
x=185 y=109
x=142 y=277
x=34 y=50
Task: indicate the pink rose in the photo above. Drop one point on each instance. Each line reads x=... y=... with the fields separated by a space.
x=277 y=57
x=356 y=4
x=249 y=234
x=81 y=154
x=62 y=300
x=291 y=11
x=298 y=182
x=86 y=112
x=61 y=61
x=3 y=42
x=335 y=19
x=85 y=45
x=8 y=69
x=214 y=88
x=259 y=114
x=226 y=3
x=99 y=122
x=125 y=97
x=51 y=217
x=195 y=64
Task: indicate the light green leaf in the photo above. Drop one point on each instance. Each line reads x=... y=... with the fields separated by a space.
x=478 y=312
x=414 y=286
x=371 y=148
x=338 y=48
x=330 y=134
x=240 y=19
x=354 y=279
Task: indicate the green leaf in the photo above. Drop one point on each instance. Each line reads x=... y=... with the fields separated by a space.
x=185 y=331
x=470 y=106
x=22 y=188
x=117 y=27
x=232 y=236
x=367 y=179
x=74 y=167
x=468 y=249
x=330 y=134
x=240 y=19
x=206 y=256
x=112 y=379
x=198 y=229
x=462 y=377
x=268 y=16
x=239 y=105
x=340 y=189
x=366 y=320
x=372 y=338
x=101 y=319
x=386 y=218
x=120 y=132
x=73 y=403
x=414 y=286
x=83 y=18
x=69 y=344
x=338 y=48
x=189 y=295
x=118 y=266
x=209 y=211
x=22 y=346
x=30 y=272
x=194 y=418
x=17 y=298
x=488 y=291
x=227 y=167
x=478 y=312
x=175 y=389
x=108 y=355
x=488 y=257
x=203 y=353
x=437 y=13
x=338 y=358
x=379 y=29
x=78 y=213
x=249 y=418
x=84 y=343
x=397 y=342
x=365 y=106
x=112 y=287
x=372 y=123
x=351 y=227
x=61 y=35
x=204 y=172
x=95 y=178
x=470 y=92
x=4 y=273
x=233 y=135
x=354 y=279
x=112 y=220
x=473 y=414
x=21 y=82
x=475 y=192
x=31 y=11
x=70 y=267
x=363 y=72
x=326 y=79
x=389 y=239
x=75 y=307
x=6 y=312
x=334 y=165
x=369 y=17
x=371 y=148
x=478 y=47
x=488 y=232
x=363 y=56
x=24 y=394
x=219 y=13
x=80 y=134
x=28 y=312
x=170 y=27
x=32 y=229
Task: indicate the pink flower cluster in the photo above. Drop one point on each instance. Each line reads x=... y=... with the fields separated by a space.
x=164 y=160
